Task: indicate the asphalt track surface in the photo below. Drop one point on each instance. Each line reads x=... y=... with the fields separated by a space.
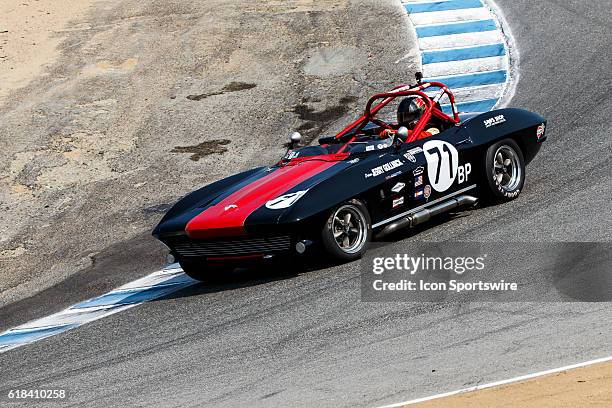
x=308 y=340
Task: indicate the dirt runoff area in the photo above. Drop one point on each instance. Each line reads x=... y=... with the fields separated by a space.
x=111 y=110
x=589 y=386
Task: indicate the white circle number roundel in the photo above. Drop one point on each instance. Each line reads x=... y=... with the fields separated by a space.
x=442 y=162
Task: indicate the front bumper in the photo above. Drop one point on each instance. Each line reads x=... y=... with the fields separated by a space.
x=248 y=247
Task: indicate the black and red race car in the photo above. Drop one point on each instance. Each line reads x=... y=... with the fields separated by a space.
x=355 y=185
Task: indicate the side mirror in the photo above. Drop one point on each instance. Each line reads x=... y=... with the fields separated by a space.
x=295 y=139
x=402 y=133
x=401 y=136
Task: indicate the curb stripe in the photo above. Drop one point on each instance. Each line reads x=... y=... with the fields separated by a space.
x=28 y=336
x=480 y=78
x=456 y=28
x=131 y=296
x=476 y=106
x=472 y=66
x=460 y=40
x=153 y=286
x=462 y=45
x=442 y=5
x=477 y=93
x=450 y=16
x=458 y=54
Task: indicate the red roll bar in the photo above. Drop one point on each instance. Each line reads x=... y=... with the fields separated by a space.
x=406 y=90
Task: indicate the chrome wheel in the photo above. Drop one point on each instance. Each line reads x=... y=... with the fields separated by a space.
x=349 y=228
x=507 y=168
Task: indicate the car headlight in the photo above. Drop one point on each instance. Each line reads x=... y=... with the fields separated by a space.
x=285 y=201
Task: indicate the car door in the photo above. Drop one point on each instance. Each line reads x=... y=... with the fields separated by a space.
x=442 y=166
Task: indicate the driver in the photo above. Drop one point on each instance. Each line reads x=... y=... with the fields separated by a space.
x=409 y=113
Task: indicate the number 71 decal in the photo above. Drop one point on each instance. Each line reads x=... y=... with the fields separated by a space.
x=443 y=165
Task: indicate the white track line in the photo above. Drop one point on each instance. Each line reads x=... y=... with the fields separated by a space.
x=466 y=66
x=450 y=16
x=502 y=382
x=460 y=40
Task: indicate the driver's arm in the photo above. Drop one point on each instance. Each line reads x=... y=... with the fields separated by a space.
x=386 y=133
x=432 y=131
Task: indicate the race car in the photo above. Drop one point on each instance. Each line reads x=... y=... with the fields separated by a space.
x=373 y=178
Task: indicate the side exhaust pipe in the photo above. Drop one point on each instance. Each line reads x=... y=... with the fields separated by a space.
x=425 y=214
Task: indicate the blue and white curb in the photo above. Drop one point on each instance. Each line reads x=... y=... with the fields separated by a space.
x=153 y=286
x=467 y=45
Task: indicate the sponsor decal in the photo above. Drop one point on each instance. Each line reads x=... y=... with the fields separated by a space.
x=410 y=154
x=392 y=165
x=420 y=104
x=354 y=161
x=377 y=171
x=381 y=146
x=390 y=176
x=291 y=154
x=443 y=165
x=410 y=157
x=494 y=121
x=415 y=150
x=418 y=181
x=230 y=207
x=418 y=193
x=398 y=201
x=502 y=190
x=540 y=131
x=463 y=172
x=285 y=201
x=418 y=171
x=369 y=148
x=398 y=187
x=427 y=191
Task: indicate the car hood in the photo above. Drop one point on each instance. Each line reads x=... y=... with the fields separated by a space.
x=223 y=211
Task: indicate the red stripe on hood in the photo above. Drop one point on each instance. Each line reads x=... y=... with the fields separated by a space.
x=216 y=221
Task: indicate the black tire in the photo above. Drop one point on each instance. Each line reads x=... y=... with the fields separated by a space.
x=355 y=235
x=504 y=170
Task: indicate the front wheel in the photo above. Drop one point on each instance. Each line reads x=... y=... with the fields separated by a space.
x=347 y=231
x=505 y=170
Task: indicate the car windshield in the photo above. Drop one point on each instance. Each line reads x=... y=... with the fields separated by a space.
x=360 y=145
x=369 y=144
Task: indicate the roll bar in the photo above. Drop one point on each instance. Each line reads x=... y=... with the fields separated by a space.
x=400 y=91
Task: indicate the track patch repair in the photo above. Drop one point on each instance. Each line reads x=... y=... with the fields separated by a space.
x=203 y=149
x=231 y=87
x=467 y=45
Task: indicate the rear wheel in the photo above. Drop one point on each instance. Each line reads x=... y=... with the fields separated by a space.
x=347 y=231
x=505 y=170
